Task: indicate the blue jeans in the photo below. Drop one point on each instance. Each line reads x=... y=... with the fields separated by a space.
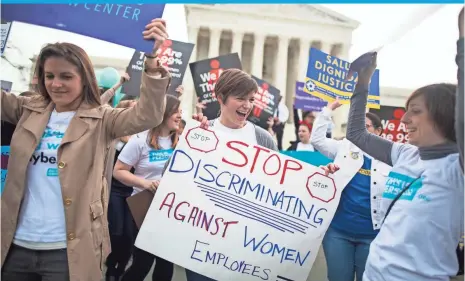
x=346 y=256
x=194 y=276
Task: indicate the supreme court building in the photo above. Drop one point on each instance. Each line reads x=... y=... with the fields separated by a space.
x=273 y=41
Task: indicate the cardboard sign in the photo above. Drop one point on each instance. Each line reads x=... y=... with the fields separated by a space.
x=174 y=55
x=393 y=129
x=205 y=73
x=327 y=79
x=265 y=104
x=305 y=101
x=238 y=211
x=121 y=24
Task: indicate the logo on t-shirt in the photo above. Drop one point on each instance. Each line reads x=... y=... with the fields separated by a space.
x=45 y=153
x=397 y=182
x=160 y=155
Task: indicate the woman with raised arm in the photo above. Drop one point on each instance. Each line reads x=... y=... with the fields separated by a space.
x=147 y=153
x=54 y=205
x=423 y=200
x=358 y=217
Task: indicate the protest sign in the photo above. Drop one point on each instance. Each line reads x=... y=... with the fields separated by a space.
x=326 y=79
x=174 y=55
x=238 y=211
x=205 y=73
x=5 y=150
x=6 y=85
x=6 y=26
x=265 y=104
x=121 y=24
x=393 y=129
x=306 y=101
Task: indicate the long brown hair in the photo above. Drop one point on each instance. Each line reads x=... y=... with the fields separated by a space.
x=76 y=56
x=172 y=107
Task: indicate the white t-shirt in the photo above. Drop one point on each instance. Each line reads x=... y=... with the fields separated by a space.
x=304 y=147
x=42 y=214
x=148 y=163
x=247 y=132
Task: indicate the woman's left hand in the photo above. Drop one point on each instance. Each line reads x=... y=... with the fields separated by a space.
x=330 y=168
x=180 y=90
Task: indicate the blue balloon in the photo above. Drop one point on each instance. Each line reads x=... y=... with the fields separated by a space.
x=108 y=77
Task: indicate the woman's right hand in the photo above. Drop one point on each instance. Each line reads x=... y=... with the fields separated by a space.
x=202 y=119
x=150 y=185
x=334 y=105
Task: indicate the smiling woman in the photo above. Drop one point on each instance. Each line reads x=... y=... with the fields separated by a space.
x=54 y=205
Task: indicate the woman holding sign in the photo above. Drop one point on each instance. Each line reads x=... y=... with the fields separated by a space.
x=423 y=199
x=235 y=91
x=358 y=217
x=54 y=206
x=147 y=153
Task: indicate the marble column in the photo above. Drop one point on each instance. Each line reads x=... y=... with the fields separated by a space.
x=189 y=98
x=280 y=71
x=257 y=57
x=304 y=55
x=236 y=47
x=214 y=48
x=326 y=47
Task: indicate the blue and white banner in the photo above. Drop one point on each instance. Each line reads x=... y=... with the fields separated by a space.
x=121 y=24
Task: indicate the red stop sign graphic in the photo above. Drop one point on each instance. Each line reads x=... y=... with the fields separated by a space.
x=202 y=139
x=321 y=187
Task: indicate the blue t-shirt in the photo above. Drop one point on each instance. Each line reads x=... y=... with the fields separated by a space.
x=353 y=215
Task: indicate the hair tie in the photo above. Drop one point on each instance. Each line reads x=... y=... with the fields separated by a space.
x=305 y=123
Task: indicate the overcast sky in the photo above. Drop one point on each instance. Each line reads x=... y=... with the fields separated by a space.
x=425 y=55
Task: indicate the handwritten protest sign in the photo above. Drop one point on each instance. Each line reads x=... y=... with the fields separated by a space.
x=326 y=79
x=265 y=103
x=393 y=129
x=239 y=211
x=174 y=55
x=205 y=73
x=305 y=101
x=6 y=26
x=116 y=23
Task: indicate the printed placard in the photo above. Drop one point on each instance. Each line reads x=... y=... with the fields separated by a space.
x=265 y=104
x=6 y=85
x=174 y=55
x=5 y=156
x=393 y=129
x=121 y=24
x=239 y=211
x=326 y=79
x=6 y=26
x=305 y=101
x=205 y=73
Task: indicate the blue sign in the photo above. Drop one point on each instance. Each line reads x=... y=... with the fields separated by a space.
x=306 y=101
x=314 y=158
x=4 y=165
x=121 y=24
x=326 y=79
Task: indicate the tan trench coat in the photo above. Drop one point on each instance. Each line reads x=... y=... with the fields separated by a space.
x=81 y=162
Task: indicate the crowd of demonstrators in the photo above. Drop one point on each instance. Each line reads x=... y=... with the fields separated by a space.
x=54 y=205
x=69 y=146
x=423 y=199
x=358 y=217
x=147 y=153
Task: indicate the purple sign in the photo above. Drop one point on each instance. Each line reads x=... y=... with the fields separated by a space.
x=116 y=23
x=306 y=101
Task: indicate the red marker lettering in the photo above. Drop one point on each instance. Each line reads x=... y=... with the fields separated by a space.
x=169 y=205
x=230 y=145
x=288 y=167
x=177 y=215
x=266 y=161
x=256 y=156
